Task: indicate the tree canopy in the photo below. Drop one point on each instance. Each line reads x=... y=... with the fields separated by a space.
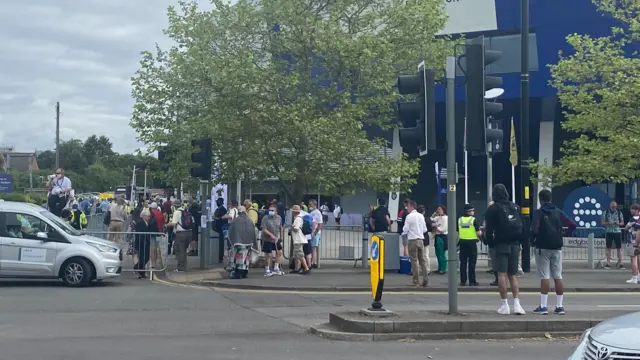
x=92 y=165
x=599 y=87
x=287 y=88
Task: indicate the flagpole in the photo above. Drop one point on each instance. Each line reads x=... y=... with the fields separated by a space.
x=513 y=183
x=513 y=159
x=466 y=165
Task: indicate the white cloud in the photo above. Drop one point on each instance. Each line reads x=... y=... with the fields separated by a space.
x=81 y=53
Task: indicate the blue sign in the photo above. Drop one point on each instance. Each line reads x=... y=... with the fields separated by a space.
x=6 y=183
x=375 y=251
x=586 y=205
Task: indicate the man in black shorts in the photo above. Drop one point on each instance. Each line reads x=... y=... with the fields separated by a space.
x=504 y=232
x=271 y=237
x=613 y=221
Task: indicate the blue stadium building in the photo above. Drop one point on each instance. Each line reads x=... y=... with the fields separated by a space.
x=551 y=21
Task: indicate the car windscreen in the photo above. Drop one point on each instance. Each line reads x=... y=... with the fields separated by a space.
x=61 y=224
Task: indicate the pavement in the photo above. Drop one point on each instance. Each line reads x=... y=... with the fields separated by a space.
x=336 y=276
x=140 y=319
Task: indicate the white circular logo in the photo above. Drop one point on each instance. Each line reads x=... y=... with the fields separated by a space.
x=585 y=212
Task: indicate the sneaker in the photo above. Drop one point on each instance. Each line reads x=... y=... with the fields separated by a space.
x=268 y=274
x=305 y=272
x=178 y=270
x=633 y=280
x=474 y=284
x=541 y=310
x=314 y=266
x=559 y=310
x=520 y=273
x=518 y=310
x=620 y=266
x=277 y=272
x=295 y=271
x=504 y=309
x=607 y=266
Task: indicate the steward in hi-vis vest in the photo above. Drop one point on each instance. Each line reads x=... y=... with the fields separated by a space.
x=468 y=235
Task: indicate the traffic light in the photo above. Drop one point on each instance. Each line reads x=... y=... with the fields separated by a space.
x=201 y=159
x=477 y=84
x=422 y=111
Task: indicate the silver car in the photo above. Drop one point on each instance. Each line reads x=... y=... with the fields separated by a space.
x=35 y=244
x=613 y=339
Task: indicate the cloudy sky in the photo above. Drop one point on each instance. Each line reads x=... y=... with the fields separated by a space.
x=81 y=53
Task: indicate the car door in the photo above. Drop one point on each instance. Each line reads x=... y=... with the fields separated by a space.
x=28 y=248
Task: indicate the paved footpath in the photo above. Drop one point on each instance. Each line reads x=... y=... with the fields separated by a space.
x=345 y=278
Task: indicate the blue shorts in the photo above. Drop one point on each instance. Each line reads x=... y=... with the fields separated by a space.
x=315 y=240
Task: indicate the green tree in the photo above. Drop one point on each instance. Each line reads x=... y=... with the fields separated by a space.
x=283 y=87
x=98 y=149
x=599 y=87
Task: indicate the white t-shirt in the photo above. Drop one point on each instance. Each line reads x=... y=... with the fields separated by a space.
x=317 y=217
x=297 y=235
x=337 y=212
x=177 y=219
x=234 y=214
x=325 y=210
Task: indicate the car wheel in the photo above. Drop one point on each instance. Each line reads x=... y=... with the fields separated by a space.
x=77 y=273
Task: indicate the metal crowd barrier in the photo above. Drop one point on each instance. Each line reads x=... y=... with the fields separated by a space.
x=587 y=244
x=150 y=247
x=337 y=242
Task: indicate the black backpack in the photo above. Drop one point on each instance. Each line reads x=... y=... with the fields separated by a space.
x=511 y=225
x=186 y=221
x=550 y=231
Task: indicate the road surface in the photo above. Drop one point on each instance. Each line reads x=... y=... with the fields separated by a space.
x=142 y=320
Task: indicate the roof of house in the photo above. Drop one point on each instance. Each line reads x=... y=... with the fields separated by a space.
x=19 y=161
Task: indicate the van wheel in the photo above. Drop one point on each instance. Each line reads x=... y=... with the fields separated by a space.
x=76 y=272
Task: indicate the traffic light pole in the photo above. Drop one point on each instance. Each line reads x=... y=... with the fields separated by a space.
x=525 y=176
x=204 y=250
x=452 y=179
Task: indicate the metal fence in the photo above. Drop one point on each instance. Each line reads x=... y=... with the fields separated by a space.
x=337 y=242
x=584 y=244
x=143 y=252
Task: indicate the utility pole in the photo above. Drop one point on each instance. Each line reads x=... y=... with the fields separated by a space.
x=145 y=183
x=452 y=179
x=57 y=135
x=525 y=176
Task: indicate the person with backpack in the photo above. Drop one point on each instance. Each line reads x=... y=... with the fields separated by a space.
x=181 y=223
x=301 y=229
x=505 y=232
x=547 y=238
x=613 y=221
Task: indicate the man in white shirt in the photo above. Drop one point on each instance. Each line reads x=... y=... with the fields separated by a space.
x=318 y=223
x=337 y=213
x=59 y=189
x=415 y=228
x=182 y=236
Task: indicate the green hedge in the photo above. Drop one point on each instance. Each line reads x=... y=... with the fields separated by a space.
x=29 y=198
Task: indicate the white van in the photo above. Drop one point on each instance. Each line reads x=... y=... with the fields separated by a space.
x=36 y=244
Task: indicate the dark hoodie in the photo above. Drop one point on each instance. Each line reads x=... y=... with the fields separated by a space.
x=552 y=212
x=495 y=233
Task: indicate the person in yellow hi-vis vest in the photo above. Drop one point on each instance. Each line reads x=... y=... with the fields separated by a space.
x=468 y=235
x=78 y=218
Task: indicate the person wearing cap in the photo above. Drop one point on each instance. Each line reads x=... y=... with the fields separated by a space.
x=299 y=240
x=182 y=236
x=468 y=234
